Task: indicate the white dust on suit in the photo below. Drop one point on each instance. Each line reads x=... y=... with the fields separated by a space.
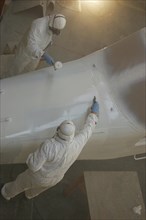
x=48 y=164
x=32 y=46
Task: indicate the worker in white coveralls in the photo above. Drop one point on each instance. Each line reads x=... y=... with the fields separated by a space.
x=32 y=46
x=48 y=164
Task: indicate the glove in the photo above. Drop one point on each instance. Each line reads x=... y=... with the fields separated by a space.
x=48 y=59
x=95 y=106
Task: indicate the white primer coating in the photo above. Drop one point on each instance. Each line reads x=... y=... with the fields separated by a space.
x=39 y=101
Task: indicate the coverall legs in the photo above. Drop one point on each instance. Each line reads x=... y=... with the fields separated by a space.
x=19 y=67
x=25 y=182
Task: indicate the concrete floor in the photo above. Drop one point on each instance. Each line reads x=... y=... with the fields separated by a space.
x=52 y=205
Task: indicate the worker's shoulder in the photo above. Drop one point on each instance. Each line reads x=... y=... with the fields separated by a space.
x=46 y=142
x=40 y=20
x=52 y=142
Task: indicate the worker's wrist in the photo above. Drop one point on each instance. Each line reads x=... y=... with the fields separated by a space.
x=97 y=114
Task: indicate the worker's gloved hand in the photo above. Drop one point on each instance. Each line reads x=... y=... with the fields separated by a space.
x=48 y=59
x=95 y=107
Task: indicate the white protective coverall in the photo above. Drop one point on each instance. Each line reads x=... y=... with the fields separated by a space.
x=32 y=45
x=48 y=164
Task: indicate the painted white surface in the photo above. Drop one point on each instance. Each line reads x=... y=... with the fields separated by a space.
x=34 y=104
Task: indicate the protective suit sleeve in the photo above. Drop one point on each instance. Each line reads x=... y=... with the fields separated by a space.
x=87 y=131
x=36 y=159
x=33 y=40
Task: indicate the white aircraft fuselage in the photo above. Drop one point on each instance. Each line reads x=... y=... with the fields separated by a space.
x=34 y=104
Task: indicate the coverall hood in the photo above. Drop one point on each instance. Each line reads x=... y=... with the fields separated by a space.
x=66 y=130
x=57 y=21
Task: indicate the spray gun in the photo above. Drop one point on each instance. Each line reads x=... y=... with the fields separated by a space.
x=94 y=99
x=57 y=65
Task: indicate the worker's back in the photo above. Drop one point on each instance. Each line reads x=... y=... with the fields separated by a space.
x=60 y=156
x=56 y=155
x=36 y=38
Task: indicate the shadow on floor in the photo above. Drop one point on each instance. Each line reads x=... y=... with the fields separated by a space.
x=52 y=204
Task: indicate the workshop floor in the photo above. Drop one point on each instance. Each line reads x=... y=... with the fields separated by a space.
x=52 y=204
